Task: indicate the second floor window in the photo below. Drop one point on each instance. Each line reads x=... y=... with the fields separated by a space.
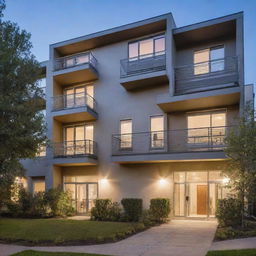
x=147 y=48
x=126 y=134
x=157 y=132
x=209 y=60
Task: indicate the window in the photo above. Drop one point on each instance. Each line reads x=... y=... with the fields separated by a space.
x=157 y=131
x=209 y=60
x=126 y=134
x=147 y=48
x=206 y=128
x=78 y=139
x=38 y=185
x=79 y=96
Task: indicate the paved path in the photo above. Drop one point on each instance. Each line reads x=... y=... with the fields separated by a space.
x=178 y=238
x=244 y=243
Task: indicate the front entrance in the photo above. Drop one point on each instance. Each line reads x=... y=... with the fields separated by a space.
x=83 y=195
x=196 y=193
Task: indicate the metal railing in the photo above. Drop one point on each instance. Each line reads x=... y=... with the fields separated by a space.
x=143 y=64
x=172 y=141
x=75 y=60
x=75 y=148
x=186 y=75
x=75 y=100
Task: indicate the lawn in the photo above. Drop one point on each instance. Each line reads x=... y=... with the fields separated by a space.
x=37 y=253
x=246 y=252
x=63 y=231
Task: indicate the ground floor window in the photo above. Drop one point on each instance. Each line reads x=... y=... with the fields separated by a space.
x=83 y=194
x=38 y=184
x=196 y=193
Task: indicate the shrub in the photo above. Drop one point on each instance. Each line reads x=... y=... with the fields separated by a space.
x=132 y=208
x=146 y=218
x=60 y=202
x=105 y=210
x=229 y=212
x=159 y=209
x=38 y=206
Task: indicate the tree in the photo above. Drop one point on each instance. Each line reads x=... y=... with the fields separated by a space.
x=21 y=124
x=241 y=149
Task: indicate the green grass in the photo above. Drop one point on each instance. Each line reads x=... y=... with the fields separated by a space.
x=37 y=253
x=63 y=231
x=246 y=252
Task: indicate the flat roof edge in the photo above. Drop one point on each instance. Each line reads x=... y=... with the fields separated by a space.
x=114 y=30
x=209 y=22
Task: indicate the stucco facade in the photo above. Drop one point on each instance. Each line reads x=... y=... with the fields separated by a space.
x=160 y=88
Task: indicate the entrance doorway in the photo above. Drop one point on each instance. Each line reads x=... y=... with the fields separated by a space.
x=83 y=195
x=196 y=193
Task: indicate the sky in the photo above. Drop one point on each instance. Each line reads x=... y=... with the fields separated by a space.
x=51 y=21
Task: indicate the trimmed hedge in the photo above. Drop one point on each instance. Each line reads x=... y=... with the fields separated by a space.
x=160 y=209
x=229 y=212
x=132 y=208
x=106 y=210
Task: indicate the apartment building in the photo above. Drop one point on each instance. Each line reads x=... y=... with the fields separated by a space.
x=142 y=111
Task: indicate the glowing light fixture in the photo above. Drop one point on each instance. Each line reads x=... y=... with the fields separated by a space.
x=104 y=181
x=162 y=181
x=225 y=180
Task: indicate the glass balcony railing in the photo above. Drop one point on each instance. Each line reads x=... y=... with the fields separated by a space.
x=172 y=141
x=75 y=60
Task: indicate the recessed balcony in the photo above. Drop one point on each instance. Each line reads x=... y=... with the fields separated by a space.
x=74 y=107
x=204 y=76
x=75 y=153
x=75 y=68
x=143 y=71
x=174 y=145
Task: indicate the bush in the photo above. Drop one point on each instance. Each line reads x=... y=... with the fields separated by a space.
x=229 y=212
x=60 y=202
x=38 y=206
x=146 y=218
x=159 y=209
x=105 y=210
x=132 y=208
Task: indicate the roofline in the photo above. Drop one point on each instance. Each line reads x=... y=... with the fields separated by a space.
x=115 y=29
x=209 y=22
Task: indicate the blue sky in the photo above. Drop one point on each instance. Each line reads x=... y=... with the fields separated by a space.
x=51 y=21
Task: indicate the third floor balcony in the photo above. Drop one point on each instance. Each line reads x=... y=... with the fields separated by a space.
x=74 y=107
x=205 y=143
x=143 y=70
x=75 y=68
x=204 y=76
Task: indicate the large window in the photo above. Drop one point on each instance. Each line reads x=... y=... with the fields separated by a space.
x=126 y=134
x=209 y=60
x=78 y=139
x=157 y=131
x=147 y=48
x=206 y=128
x=38 y=184
x=79 y=96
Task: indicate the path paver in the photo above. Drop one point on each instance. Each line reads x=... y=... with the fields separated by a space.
x=177 y=238
x=243 y=243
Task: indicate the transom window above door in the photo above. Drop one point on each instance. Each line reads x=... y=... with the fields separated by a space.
x=209 y=60
x=146 y=48
x=79 y=96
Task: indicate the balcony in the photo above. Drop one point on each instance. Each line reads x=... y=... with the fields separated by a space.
x=74 y=108
x=204 y=76
x=75 y=68
x=72 y=153
x=173 y=145
x=143 y=71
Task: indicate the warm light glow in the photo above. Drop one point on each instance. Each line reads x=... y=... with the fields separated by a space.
x=225 y=180
x=162 y=181
x=104 y=181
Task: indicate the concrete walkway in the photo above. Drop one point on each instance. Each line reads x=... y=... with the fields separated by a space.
x=244 y=243
x=178 y=238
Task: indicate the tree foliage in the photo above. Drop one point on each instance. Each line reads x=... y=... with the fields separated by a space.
x=21 y=124
x=241 y=149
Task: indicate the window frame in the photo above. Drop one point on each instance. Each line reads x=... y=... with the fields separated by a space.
x=150 y=141
x=153 y=37
x=120 y=132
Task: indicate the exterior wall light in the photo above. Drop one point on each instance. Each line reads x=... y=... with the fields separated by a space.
x=162 y=181
x=104 y=181
x=226 y=180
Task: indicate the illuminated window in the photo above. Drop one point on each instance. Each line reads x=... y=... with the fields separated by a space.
x=38 y=185
x=157 y=131
x=147 y=48
x=126 y=134
x=209 y=60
